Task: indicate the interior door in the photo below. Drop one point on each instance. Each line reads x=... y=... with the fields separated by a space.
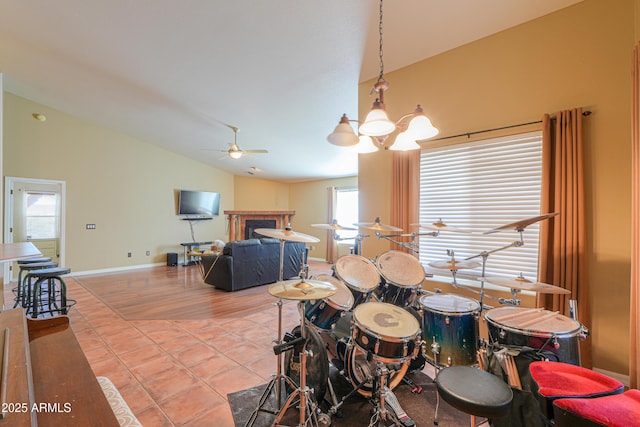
x=34 y=212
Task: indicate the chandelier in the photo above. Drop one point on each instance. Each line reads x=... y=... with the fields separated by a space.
x=378 y=125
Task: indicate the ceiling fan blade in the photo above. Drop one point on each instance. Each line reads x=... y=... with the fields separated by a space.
x=256 y=151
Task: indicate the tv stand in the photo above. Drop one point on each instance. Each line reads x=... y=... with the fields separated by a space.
x=189 y=259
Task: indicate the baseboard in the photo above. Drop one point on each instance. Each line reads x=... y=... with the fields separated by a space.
x=115 y=269
x=624 y=379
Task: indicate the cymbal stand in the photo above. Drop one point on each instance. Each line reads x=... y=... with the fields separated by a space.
x=307 y=405
x=413 y=245
x=278 y=377
x=485 y=256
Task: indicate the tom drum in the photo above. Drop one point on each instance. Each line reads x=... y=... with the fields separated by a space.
x=323 y=314
x=402 y=274
x=359 y=274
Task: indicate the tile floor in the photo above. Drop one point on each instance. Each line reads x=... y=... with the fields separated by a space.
x=178 y=372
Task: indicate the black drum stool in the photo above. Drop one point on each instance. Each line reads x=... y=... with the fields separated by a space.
x=53 y=299
x=23 y=290
x=476 y=392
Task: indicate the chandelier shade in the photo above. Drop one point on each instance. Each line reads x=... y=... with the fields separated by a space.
x=404 y=142
x=420 y=127
x=343 y=135
x=366 y=145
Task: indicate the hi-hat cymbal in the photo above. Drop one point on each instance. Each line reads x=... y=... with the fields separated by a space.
x=377 y=226
x=301 y=289
x=333 y=226
x=522 y=224
x=453 y=265
x=287 y=234
x=441 y=226
x=524 y=284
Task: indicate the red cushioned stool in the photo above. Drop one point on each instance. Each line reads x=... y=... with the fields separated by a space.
x=618 y=410
x=558 y=380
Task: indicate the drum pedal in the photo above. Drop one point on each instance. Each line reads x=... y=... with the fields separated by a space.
x=415 y=388
x=393 y=403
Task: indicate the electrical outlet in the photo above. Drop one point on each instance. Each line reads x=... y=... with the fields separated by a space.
x=128 y=254
x=91 y=226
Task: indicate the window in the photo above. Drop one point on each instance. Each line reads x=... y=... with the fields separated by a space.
x=346 y=212
x=480 y=186
x=41 y=213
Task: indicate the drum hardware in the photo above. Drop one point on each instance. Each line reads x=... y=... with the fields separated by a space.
x=441 y=226
x=412 y=245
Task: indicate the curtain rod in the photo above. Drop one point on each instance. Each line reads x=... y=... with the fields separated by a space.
x=468 y=134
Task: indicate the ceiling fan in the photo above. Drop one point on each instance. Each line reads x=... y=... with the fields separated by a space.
x=234 y=151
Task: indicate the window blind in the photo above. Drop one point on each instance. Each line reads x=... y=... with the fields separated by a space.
x=480 y=186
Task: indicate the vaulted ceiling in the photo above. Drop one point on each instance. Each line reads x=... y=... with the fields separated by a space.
x=175 y=73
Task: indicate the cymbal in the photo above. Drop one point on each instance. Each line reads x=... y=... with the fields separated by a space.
x=302 y=289
x=522 y=224
x=333 y=226
x=377 y=226
x=441 y=226
x=287 y=234
x=452 y=264
x=524 y=284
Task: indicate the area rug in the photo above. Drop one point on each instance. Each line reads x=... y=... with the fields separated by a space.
x=356 y=411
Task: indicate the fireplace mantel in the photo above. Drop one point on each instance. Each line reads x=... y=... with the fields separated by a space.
x=237 y=220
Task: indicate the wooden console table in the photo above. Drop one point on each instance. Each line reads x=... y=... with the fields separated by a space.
x=237 y=220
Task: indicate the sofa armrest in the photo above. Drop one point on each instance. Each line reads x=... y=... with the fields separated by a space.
x=220 y=274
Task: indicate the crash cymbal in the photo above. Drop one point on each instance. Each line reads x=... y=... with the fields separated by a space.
x=453 y=265
x=333 y=226
x=377 y=226
x=287 y=234
x=524 y=284
x=522 y=224
x=441 y=226
x=302 y=289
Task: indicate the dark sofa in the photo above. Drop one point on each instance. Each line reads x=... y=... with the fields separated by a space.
x=253 y=262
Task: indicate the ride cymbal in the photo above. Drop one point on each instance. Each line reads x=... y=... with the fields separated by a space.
x=524 y=284
x=333 y=226
x=287 y=234
x=522 y=224
x=453 y=265
x=301 y=289
x=377 y=226
x=441 y=226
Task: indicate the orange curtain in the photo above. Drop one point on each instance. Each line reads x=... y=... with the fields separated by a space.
x=563 y=260
x=405 y=191
x=634 y=309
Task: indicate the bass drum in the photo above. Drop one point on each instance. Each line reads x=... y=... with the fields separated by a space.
x=317 y=365
x=348 y=358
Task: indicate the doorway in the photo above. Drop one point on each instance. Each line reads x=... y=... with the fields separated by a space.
x=35 y=212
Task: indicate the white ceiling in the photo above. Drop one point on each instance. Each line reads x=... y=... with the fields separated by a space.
x=172 y=73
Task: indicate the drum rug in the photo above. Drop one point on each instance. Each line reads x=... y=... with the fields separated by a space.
x=356 y=410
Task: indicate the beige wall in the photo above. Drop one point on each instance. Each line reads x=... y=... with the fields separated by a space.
x=123 y=185
x=254 y=193
x=579 y=56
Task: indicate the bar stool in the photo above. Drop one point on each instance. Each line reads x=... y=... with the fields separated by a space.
x=56 y=294
x=617 y=410
x=558 y=380
x=476 y=392
x=23 y=290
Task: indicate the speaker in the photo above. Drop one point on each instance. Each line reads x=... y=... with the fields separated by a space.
x=172 y=259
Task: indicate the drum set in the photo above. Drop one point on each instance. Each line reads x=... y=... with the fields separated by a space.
x=372 y=321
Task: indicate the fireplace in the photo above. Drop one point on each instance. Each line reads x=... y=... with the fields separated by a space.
x=238 y=222
x=251 y=224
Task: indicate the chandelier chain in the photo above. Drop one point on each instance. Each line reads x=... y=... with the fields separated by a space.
x=380 y=77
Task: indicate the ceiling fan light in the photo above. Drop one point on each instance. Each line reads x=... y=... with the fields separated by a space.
x=420 y=127
x=404 y=142
x=366 y=145
x=343 y=135
x=377 y=122
x=235 y=154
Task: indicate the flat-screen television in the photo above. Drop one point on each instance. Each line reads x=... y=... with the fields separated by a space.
x=198 y=203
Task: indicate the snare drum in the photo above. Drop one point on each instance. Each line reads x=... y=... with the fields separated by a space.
x=323 y=314
x=359 y=274
x=387 y=332
x=402 y=274
x=547 y=331
x=450 y=327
